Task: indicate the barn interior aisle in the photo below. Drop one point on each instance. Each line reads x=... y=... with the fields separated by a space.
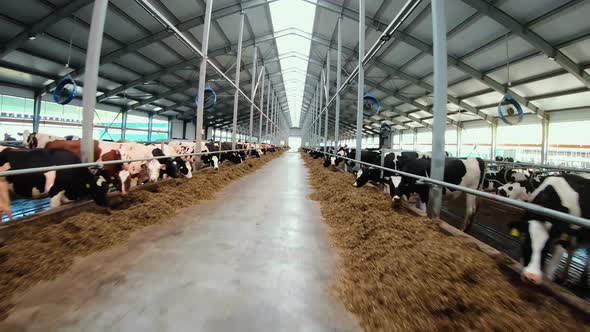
x=255 y=259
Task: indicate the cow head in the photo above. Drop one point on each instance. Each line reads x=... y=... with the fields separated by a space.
x=514 y=190
x=98 y=189
x=30 y=139
x=536 y=240
x=184 y=167
x=153 y=170
x=234 y=158
x=169 y=167
x=364 y=175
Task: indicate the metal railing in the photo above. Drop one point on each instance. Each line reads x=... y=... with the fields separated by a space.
x=100 y=164
x=532 y=165
x=523 y=205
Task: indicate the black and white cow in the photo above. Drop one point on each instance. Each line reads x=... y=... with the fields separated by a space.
x=391 y=160
x=540 y=235
x=61 y=185
x=520 y=190
x=464 y=172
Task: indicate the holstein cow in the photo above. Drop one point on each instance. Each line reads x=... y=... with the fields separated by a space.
x=169 y=167
x=101 y=153
x=62 y=185
x=188 y=147
x=520 y=190
x=539 y=234
x=33 y=140
x=464 y=172
x=391 y=160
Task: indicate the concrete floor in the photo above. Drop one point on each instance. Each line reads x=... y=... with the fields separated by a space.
x=255 y=259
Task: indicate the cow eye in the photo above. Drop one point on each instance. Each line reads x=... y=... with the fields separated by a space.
x=510 y=188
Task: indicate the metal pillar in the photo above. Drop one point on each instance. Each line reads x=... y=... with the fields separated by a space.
x=415 y=139
x=36 y=111
x=494 y=145
x=203 y=74
x=124 y=113
x=170 y=127
x=322 y=104
x=99 y=12
x=150 y=126
x=327 y=76
x=252 y=95
x=439 y=125
x=545 y=139
x=234 y=136
x=361 y=81
x=268 y=102
x=261 y=110
x=184 y=123
x=459 y=141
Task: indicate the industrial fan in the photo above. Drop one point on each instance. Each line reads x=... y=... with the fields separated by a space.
x=65 y=91
x=371 y=105
x=210 y=100
x=509 y=107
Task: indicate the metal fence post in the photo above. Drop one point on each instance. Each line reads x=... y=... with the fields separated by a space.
x=545 y=139
x=37 y=111
x=338 y=84
x=361 y=82
x=203 y=75
x=99 y=12
x=150 y=126
x=494 y=145
x=439 y=125
x=234 y=138
x=261 y=110
x=252 y=95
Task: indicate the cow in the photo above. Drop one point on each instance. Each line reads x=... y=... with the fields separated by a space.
x=392 y=161
x=61 y=186
x=33 y=140
x=187 y=147
x=539 y=235
x=520 y=190
x=169 y=167
x=101 y=153
x=464 y=172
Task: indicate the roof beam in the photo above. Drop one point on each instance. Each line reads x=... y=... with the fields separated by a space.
x=40 y=26
x=531 y=37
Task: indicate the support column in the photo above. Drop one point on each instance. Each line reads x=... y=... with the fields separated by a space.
x=415 y=139
x=36 y=111
x=234 y=137
x=321 y=85
x=203 y=75
x=326 y=93
x=184 y=129
x=150 y=126
x=459 y=141
x=439 y=125
x=170 y=127
x=99 y=12
x=252 y=96
x=124 y=113
x=361 y=81
x=494 y=145
x=545 y=140
x=259 y=140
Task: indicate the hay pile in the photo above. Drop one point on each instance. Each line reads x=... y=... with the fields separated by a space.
x=400 y=273
x=37 y=252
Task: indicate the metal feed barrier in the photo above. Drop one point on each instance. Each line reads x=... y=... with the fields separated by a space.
x=583 y=222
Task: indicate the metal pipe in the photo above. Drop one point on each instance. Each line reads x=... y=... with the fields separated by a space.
x=494 y=145
x=321 y=101
x=102 y=163
x=252 y=94
x=326 y=92
x=415 y=139
x=234 y=138
x=36 y=111
x=99 y=12
x=150 y=126
x=361 y=81
x=124 y=112
x=459 y=140
x=203 y=74
x=261 y=108
x=271 y=101
x=439 y=125
x=519 y=204
x=338 y=84
x=545 y=139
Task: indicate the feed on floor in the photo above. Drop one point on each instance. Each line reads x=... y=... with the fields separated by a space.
x=398 y=272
